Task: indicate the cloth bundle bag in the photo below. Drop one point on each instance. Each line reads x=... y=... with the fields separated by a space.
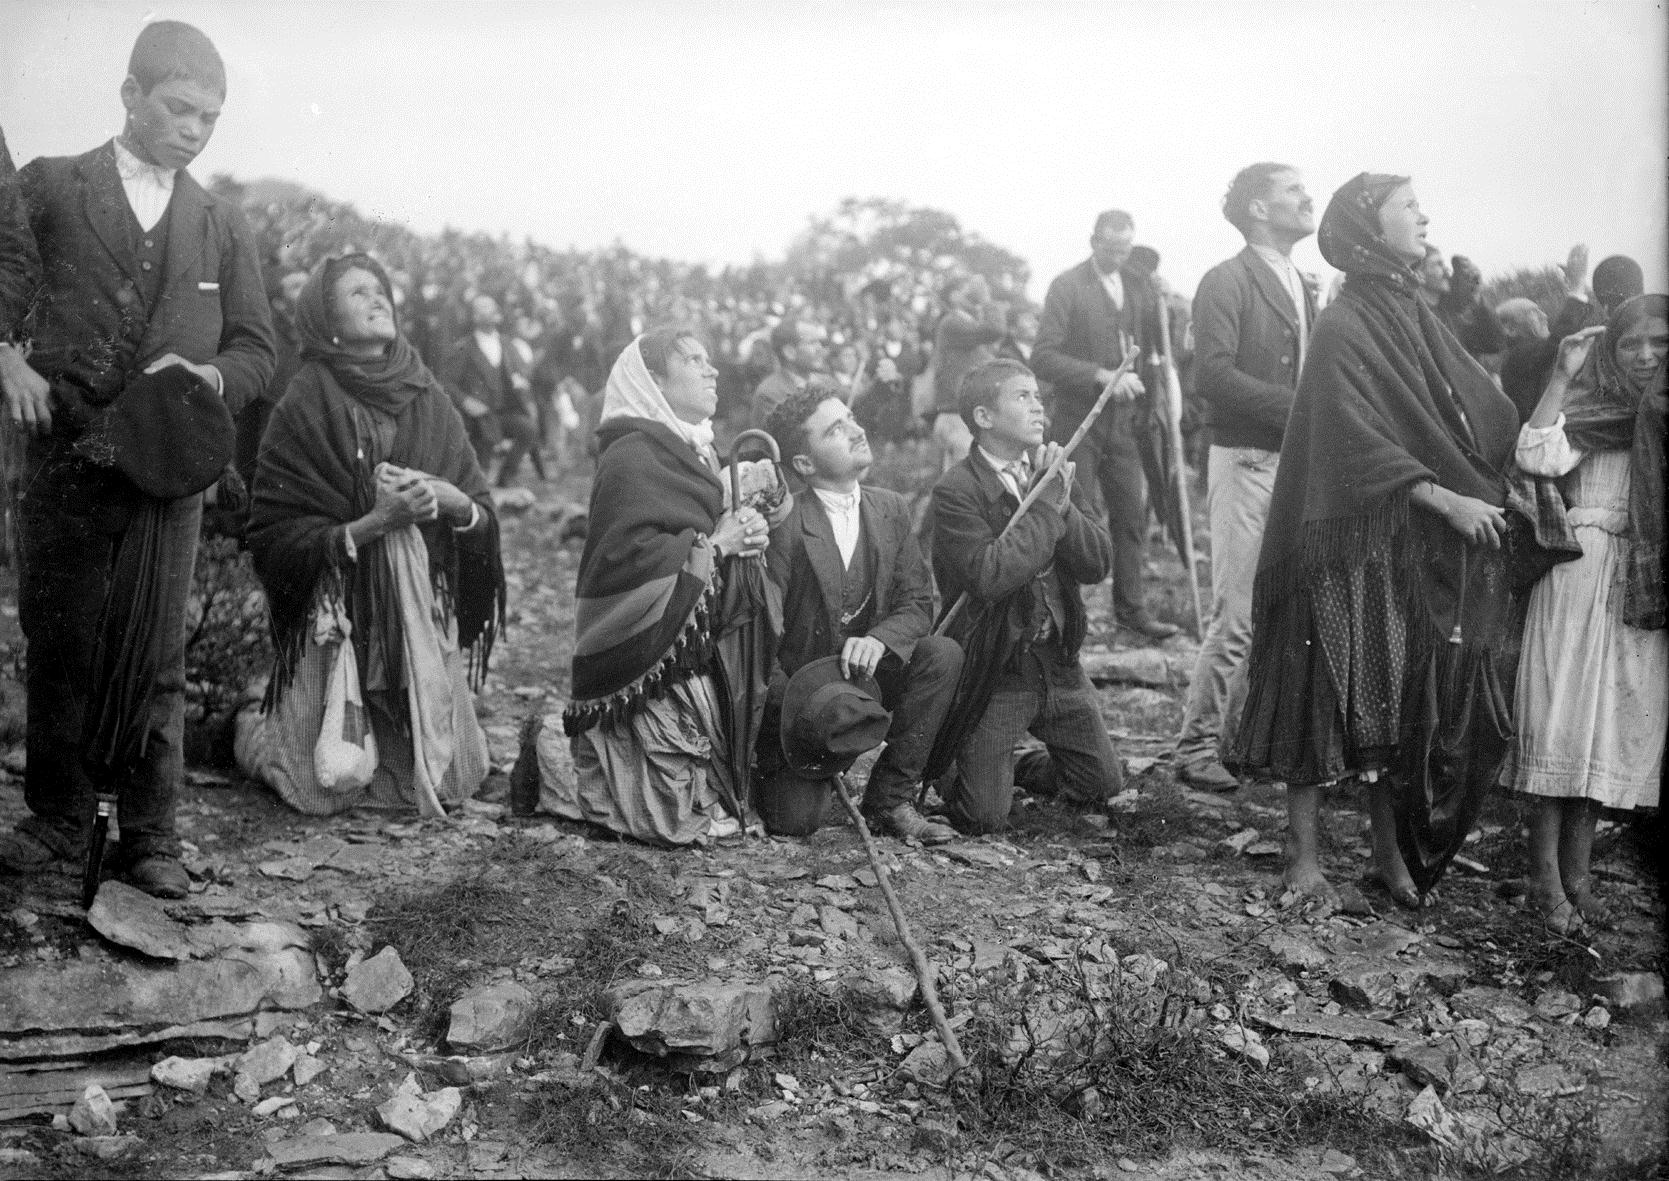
x=345 y=757
x=426 y=641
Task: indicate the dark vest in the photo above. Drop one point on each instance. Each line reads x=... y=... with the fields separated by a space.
x=857 y=589
x=149 y=247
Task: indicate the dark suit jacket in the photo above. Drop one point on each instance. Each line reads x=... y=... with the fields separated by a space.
x=90 y=328
x=1078 y=334
x=971 y=506
x=20 y=262
x=805 y=562
x=1246 y=351
x=468 y=374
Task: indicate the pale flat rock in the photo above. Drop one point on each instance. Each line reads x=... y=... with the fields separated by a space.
x=379 y=983
x=185 y=1074
x=132 y=918
x=409 y=1168
x=707 y=1025
x=1245 y=1042
x=837 y=924
x=417 y=1114
x=342 y=1148
x=78 y=1007
x=269 y=1061
x=93 y=1113
x=879 y=999
x=306 y=1069
x=1293 y=953
x=1342 y=1028
x=1135 y=666
x=493 y=1017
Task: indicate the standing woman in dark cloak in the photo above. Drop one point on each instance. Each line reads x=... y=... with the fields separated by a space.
x=1383 y=554
x=374 y=535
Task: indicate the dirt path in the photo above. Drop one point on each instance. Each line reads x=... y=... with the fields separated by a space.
x=1133 y=998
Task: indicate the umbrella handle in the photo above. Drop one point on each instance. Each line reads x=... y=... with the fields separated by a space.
x=771 y=449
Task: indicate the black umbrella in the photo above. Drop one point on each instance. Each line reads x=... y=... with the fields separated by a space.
x=751 y=611
x=1457 y=726
x=125 y=665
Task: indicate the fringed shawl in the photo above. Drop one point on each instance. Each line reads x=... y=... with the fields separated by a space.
x=1612 y=411
x=315 y=476
x=646 y=582
x=1388 y=398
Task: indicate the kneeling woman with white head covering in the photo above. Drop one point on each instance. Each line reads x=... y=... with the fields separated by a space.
x=646 y=718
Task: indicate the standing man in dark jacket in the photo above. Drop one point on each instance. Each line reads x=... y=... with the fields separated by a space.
x=20 y=262
x=1092 y=316
x=854 y=585
x=1252 y=318
x=142 y=270
x=1024 y=621
x=491 y=381
x=966 y=336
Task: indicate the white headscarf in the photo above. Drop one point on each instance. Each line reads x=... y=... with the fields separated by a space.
x=632 y=393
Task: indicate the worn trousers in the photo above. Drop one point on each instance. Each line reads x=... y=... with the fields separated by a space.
x=1049 y=697
x=72 y=519
x=1240 y=482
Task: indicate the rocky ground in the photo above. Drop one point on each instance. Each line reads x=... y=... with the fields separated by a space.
x=377 y=996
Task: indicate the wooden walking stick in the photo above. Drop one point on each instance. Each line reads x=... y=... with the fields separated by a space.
x=1039 y=483
x=1173 y=431
x=924 y=970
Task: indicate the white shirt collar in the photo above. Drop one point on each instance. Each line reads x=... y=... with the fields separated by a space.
x=131 y=168
x=839 y=502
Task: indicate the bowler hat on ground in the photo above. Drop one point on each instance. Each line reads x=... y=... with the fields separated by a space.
x=829 y=720
x=169 y=432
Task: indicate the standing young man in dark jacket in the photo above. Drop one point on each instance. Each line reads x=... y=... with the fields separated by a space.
x=1093 y=315
x=854 y=586
x=1252 y=318
x=141 y=270
x=1024 y=621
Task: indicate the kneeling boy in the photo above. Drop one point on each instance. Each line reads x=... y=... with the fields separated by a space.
x=1024 y=619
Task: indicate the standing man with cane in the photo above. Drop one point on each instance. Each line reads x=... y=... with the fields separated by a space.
x=1252 y=320
x=1093 y=317
x=144 y=274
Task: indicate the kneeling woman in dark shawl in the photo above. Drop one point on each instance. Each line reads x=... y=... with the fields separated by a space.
x=647 y=716
x=374 y=536
x=1381 y=575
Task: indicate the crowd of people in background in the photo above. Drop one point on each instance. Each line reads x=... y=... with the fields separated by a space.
x=1392 y=466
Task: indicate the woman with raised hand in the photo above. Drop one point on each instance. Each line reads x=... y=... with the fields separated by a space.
x=646 y=713
x=1381 y=574
x=374 y=535
x=1593 y=680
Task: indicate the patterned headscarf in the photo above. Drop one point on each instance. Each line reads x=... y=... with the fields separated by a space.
x=1350 y=237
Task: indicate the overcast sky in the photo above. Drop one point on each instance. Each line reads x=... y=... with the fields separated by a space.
x=712 y=131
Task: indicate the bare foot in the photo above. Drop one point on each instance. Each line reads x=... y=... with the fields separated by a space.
x=1590 y=910
x=1564 y=919
x=1556 y=911
x=1395 y=880
x=1305 y=882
